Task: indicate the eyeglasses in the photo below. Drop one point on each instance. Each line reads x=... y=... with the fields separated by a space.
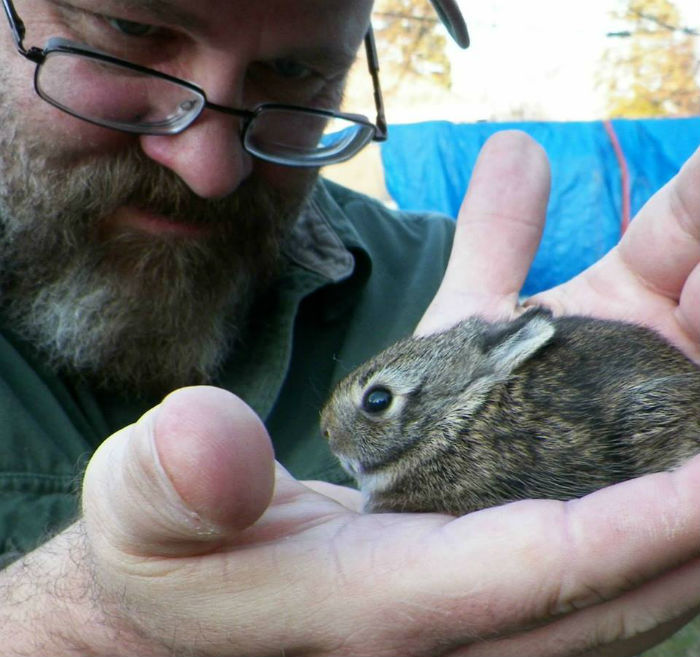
x=114 y=93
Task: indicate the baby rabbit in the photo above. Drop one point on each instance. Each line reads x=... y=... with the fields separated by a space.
x=537 y=407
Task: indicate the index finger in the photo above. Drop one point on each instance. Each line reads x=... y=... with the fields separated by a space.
x=498 y=231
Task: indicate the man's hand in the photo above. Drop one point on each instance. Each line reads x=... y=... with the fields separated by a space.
x=173 y=561
x=651 y=277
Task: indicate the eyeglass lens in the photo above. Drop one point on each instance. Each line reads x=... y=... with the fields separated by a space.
x=317 y=138
x=116 y=96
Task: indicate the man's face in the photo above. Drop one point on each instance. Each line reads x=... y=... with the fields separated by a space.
x=133 y=259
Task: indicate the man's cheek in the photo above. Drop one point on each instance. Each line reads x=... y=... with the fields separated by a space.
x=72 y=136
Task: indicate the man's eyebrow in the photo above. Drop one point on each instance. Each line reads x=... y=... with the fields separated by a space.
x=338 y=56
x=333 y=57
x=162 y=10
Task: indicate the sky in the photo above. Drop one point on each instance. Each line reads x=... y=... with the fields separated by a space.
x=530 y=59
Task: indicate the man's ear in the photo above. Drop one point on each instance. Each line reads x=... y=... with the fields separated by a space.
x=510 y=345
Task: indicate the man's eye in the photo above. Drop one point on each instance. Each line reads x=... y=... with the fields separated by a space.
x=290 y=68
x=131 y=28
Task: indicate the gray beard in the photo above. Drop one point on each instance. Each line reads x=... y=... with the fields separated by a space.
x=130 y=311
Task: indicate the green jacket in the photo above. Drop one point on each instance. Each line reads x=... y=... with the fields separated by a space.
x=358 y=277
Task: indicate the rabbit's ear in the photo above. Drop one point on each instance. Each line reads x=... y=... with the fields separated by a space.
x=507 y=347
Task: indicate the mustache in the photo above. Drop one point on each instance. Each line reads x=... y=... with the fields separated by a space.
x=99 y=185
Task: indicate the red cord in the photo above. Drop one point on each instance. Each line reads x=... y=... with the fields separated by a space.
x=624 y=175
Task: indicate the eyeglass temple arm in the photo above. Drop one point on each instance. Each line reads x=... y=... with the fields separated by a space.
x=16 y=24
x=373 y=66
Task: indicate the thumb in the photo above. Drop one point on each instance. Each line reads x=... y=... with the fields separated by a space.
x=193 y=471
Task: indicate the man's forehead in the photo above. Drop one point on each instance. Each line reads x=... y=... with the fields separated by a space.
x=243 y=6
x=341 y=21
x=182 y=11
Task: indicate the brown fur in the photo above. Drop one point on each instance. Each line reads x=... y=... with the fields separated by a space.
x=539 y=407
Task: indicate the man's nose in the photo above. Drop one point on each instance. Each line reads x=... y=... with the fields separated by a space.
x=208 y=156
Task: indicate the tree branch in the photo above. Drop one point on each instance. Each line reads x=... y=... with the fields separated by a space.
x=667 y=26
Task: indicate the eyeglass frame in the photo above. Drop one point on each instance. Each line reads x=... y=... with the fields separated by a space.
x=58 y=44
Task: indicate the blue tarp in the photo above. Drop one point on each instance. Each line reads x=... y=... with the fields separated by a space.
x=428 y=165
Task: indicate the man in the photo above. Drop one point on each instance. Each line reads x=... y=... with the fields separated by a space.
x=156 y=235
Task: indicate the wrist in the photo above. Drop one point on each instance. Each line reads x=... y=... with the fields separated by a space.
x=53 y=605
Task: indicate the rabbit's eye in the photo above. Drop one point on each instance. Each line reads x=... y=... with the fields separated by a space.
x=376 y=400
